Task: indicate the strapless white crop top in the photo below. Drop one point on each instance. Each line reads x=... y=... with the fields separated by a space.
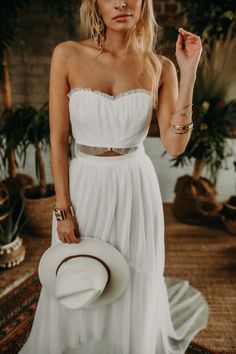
x=100 y=119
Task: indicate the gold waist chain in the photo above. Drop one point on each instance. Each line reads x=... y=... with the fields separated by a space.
x=96 y=150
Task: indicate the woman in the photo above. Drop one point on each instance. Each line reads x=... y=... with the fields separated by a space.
x=105 y=87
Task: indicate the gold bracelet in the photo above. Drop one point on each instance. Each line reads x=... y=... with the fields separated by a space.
x=61 y=214
x=183 y=127
x=183 y=114
x=183 y=132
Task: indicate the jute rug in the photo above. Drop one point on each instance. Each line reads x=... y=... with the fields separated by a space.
x=17 y=310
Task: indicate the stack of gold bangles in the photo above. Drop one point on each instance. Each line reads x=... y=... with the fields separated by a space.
x=182 y=129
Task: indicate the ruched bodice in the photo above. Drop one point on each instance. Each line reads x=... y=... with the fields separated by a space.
x=100 y=119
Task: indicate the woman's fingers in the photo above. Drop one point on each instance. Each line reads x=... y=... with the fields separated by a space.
x=70 y=238
x=74 y=238
x=187 y=34
x=66 y=239
x=180 y=41
x=68 y=231
x=184 y=32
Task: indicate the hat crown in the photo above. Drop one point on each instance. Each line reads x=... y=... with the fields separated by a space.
x=80 y=281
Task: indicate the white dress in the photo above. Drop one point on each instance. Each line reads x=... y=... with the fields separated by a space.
x=117 y=199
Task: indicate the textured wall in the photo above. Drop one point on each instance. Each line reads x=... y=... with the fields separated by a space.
x=29 y=64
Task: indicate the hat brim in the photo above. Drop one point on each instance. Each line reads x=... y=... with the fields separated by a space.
x=119 y=268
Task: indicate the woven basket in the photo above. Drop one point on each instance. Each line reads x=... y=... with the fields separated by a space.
x=38 y=211
x=12 y=253
x=195 y=200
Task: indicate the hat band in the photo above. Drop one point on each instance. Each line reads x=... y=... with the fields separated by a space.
x=89 y=256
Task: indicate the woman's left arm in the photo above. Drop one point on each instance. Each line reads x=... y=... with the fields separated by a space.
x=175 y=99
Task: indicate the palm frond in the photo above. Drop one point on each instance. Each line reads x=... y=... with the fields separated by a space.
x=217 y=69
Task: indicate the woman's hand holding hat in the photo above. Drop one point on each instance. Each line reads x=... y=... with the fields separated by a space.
x=68 y=229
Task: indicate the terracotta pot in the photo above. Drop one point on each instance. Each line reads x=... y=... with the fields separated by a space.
x=12 y=253
x=38 y=211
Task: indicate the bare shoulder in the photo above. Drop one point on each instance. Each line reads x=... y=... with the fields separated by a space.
x=64 y=49
x=168 y=69
x=166 y=63
x=69 y=49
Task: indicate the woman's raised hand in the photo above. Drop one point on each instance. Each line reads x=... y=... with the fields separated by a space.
x=188 y=51
x=68 y=230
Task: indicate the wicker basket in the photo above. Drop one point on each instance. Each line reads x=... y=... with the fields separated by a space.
x=195 y=201
x=38 y=211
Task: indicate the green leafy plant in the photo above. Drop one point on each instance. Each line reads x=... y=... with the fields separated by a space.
x=37 y=133
x=20 y=126
x=10 y=228
x=13 y=123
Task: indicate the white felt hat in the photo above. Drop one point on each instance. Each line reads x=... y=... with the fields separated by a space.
x=87 y=274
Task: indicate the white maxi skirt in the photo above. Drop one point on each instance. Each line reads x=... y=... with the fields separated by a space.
x=117 y=199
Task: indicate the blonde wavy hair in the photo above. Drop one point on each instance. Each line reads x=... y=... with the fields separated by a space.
x=143 y=36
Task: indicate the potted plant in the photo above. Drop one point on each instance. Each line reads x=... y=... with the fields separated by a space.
x=12 y=249
x=40 y=199
x=12 y=143
x=209 y=146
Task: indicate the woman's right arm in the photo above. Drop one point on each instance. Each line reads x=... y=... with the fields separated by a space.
x=68 y=230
